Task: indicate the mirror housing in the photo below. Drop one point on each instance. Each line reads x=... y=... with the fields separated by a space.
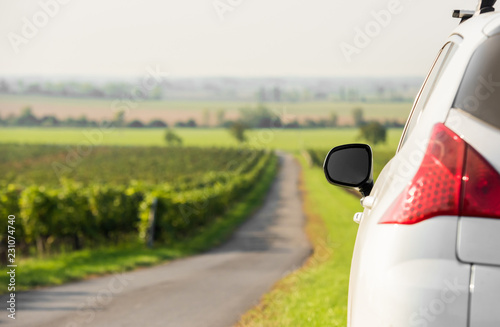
x=350 y=166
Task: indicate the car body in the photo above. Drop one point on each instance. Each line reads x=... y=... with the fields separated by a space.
x=427 y=251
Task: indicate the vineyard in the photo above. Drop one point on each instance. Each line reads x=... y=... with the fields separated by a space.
x=47 y=164
x=108 y=197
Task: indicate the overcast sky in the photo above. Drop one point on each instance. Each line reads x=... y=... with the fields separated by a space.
x=241 y=38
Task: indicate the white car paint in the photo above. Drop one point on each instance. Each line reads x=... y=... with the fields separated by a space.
x=443 y=271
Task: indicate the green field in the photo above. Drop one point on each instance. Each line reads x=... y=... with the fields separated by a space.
x=63 y=106
x=284 y=139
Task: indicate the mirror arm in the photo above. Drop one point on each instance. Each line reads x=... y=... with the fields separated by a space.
x=366 y=188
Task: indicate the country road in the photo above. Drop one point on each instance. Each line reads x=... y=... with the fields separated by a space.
x=211 y=289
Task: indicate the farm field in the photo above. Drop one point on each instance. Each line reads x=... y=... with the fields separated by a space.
x=284 y=139
x=107 y=197
x=173 y=111
x=102 y=260
x=45 y=164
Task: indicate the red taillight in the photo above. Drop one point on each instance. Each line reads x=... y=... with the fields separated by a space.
x=482 y=187
x=437 y=186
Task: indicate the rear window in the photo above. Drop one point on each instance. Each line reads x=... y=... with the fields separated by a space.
x=479 y=93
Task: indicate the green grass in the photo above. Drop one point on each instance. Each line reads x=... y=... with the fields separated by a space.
x=285 y=139
x=316 y=294
x=77 y=265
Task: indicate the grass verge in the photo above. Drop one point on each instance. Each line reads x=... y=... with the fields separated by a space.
x=59 y=269
x=316 y=294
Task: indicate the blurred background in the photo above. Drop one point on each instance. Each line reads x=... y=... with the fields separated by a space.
x=112 y=110
x=68 y=60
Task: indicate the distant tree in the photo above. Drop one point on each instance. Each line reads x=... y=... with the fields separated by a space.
x=393 y=123
x=105 y=123
x=49 y=121
x=293 y=124
x=135 y=124
x=227 y=124
x=220 y=117
x=67 y=122
x=26 y=118
x=260 y=117
x=334 y=119
x=374 y=132
x=237 y=130
x=92 y=123
x=191 y=123
x=156 y=123
x=10 y=120
x=82 y=121
x=205 y=119
x=96 y=93
x=119 y=119
x=34 y=88
x=358 y=117
x=309 y=123
x=323 y=123
x=172 y=138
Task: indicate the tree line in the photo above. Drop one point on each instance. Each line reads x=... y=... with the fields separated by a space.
x=249 y=118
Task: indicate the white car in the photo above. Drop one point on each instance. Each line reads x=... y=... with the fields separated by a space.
x=427 y=251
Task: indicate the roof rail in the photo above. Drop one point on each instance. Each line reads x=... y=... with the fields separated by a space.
x=463 y=14
x=483 y=6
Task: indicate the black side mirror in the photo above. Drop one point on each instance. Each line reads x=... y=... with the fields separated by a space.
x=350 y=166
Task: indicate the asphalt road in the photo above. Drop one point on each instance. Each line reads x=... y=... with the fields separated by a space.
x=210 y=289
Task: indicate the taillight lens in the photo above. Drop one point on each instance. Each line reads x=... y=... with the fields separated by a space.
x=481 y=187
x=449 y=166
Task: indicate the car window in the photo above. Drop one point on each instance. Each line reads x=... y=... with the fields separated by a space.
x=442 y=60
x=479 y=92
